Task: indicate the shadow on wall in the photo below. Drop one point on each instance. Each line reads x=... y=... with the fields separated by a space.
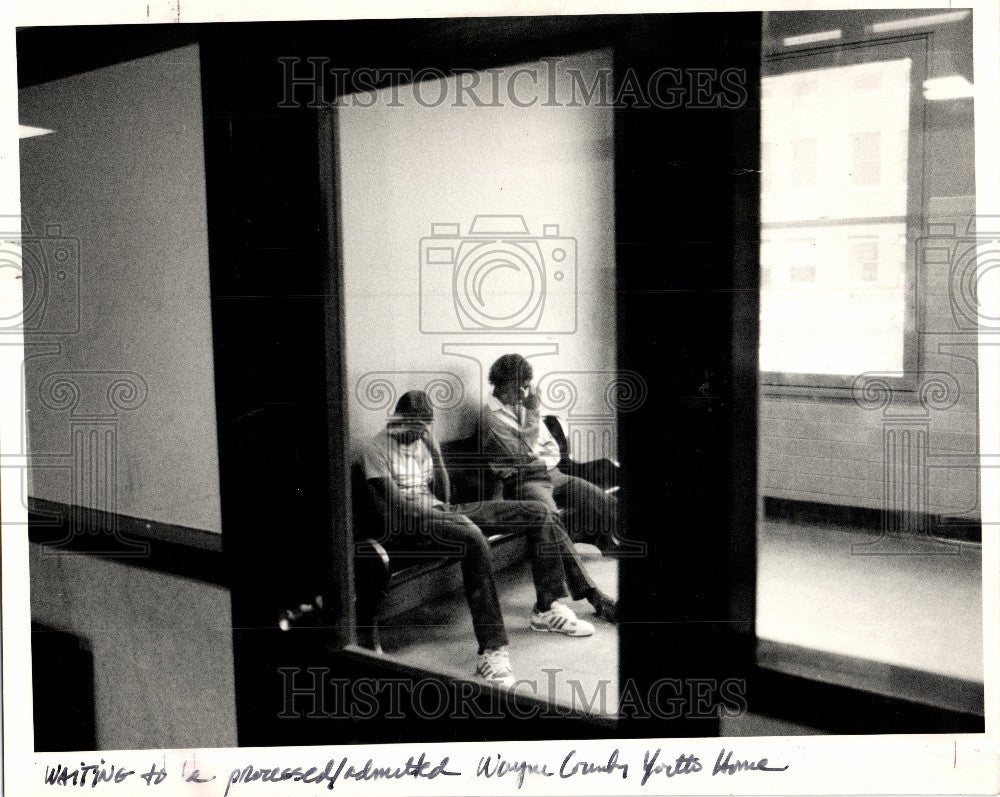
x=62 y=678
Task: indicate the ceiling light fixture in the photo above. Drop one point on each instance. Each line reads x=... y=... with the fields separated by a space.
x=811 y=38
x=919 y=22
x=952 y=87
x=27 y=131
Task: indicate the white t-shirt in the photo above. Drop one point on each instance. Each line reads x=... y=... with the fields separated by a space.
x=409 y=466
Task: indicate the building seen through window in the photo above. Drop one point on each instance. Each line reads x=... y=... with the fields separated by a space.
x=834 y=205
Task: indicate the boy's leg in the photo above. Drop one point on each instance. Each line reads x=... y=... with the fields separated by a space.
x=531 y=490
x=477 y=575
x=590 y=514
x=554 y=560
x=577 y=579
x=545 y=554
x=559 y=544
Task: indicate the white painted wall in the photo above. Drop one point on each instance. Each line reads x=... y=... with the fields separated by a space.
x=404 y=169
x=123 y=178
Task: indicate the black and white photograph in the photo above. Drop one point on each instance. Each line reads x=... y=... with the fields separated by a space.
x=500 y=399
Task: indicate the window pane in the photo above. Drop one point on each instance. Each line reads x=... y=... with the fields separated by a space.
x=804 y=163
x=428 y=271
x=841 y=135
x=864 y=258
x=869 y=571
x=865 y=158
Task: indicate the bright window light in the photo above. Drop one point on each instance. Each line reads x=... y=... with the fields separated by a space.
x=833 y=212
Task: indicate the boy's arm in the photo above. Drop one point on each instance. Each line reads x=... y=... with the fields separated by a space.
x=549 y=448
x=507 y=444
x=385 y=490
x=441 y=485
x=498 y=445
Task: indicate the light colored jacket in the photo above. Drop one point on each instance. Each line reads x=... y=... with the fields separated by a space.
x=515 y=438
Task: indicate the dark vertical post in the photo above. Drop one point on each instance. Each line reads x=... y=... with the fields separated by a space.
x=268 y=263
x=340 y=542
x=687 y=224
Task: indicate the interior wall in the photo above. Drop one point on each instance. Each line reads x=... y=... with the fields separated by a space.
x=405 y=166
x=831 y=450
x=161 y=646
x=121 y=406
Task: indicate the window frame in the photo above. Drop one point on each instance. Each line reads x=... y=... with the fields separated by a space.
x=344 y=643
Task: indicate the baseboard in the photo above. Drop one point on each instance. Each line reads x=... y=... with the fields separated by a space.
x=876 y=521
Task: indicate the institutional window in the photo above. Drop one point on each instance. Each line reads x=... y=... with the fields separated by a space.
x=839 y=301
x=766 y=258
x=803 y=163
x=802 y=256
x=844 y=125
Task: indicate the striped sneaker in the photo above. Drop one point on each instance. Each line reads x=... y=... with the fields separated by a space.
x=561 y=620
x=494 y=667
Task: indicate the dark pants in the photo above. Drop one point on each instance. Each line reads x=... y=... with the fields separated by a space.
x=554 y=562
x=589 y=514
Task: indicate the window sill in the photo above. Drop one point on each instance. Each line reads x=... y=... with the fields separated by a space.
x=915 y=686
x=836 y=388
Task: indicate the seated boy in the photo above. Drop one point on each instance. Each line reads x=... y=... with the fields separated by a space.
x=525 y=457
x=406 y=473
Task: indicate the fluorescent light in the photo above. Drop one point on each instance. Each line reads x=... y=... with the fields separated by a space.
x=919 y=22
x=810 y=38
x=26 y=131
x=952 y=87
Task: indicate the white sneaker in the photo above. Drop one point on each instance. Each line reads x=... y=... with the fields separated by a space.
x=561 y=620
x=494 y=667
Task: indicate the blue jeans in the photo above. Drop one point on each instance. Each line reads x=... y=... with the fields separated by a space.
x=589 y=514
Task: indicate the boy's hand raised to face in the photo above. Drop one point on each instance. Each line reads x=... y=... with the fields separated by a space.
x=531 y=399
